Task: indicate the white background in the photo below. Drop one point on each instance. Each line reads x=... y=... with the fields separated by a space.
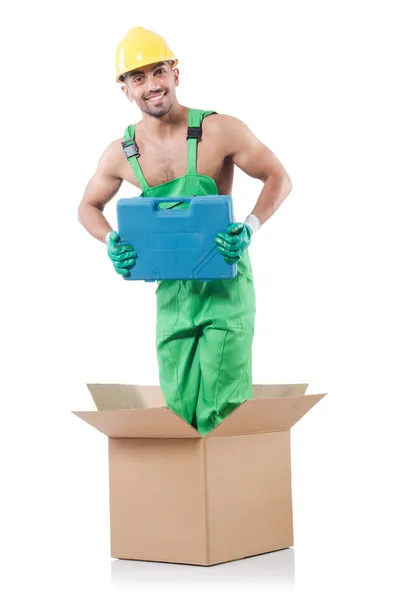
x=315 y=81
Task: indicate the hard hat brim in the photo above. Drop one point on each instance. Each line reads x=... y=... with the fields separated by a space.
x=160 y=60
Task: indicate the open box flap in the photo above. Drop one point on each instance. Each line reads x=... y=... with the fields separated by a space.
x=266 y=415
x=279 y=390
x=160 y=422
x=114 y=396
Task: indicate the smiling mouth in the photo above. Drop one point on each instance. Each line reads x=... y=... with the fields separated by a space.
x=156 y=97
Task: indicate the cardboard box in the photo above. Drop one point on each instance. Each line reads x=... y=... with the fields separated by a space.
x=177 y=496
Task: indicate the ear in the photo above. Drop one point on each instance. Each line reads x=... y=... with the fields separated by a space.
x=127 y=92
x=176 y=76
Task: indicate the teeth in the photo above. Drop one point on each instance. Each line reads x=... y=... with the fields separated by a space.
x=158 y=96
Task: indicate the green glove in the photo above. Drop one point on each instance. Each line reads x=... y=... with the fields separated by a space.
x=122 y=257
x=233 y=243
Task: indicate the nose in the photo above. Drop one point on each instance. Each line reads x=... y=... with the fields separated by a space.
x=152 y=84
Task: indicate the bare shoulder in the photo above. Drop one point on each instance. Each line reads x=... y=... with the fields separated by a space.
x=112 y=159
x=219 y=122
x=225 y=129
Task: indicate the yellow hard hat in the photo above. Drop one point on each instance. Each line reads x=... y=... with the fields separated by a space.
x=139 y=48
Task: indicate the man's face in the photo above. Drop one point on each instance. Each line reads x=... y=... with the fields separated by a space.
x=152 y=88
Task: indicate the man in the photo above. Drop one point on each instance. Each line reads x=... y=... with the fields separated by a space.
x=204 y=329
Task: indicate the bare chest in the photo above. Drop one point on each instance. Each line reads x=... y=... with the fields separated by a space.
x=161 y=163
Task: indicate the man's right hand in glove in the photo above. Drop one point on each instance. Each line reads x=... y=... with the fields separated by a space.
x=122 y=256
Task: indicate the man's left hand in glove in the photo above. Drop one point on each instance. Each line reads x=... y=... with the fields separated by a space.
x=237 y=239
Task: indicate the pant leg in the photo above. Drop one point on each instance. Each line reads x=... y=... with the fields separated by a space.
x=226 y=374
x=177 y=349
x=179 y=371
x=225 y=346
x=204 y=341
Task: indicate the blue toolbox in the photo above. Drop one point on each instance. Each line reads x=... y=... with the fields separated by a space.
x=176 y=243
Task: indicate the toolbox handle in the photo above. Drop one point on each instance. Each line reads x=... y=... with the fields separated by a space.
x=156 y=201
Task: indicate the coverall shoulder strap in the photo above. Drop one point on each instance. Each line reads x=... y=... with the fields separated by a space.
x=194 y=135
x=131 y=151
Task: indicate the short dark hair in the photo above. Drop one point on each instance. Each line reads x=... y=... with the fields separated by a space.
x=124 y=75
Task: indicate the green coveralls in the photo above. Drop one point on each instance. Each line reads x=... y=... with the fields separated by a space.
x=204 y=330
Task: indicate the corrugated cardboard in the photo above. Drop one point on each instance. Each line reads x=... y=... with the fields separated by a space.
x=177 y=496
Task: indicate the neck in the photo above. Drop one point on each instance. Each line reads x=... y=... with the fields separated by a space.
x=166 y=125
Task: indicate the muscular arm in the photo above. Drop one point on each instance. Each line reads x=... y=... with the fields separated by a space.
x=101 y=188
x=258 y=161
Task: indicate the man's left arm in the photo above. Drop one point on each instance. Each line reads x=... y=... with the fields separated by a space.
x=258 y=161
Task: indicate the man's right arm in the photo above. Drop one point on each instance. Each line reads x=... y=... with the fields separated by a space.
x=101 y=188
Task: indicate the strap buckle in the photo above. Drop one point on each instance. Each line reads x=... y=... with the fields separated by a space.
x=194 y=133
x=130 y=148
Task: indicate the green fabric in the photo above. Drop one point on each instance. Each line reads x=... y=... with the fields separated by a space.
x=204 y=345
x=233 y=243
x=133 y=160
x=122 y=257
x=204 y=330
x=190 y=184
